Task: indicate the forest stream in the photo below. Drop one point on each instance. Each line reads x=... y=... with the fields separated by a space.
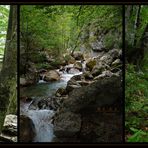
x=42 y=117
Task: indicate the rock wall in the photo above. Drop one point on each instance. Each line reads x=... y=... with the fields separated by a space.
x=96 y=38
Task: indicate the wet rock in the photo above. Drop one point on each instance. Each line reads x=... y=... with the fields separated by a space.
x=73 y=71
x=39 y=103
x=43 y=104
x=52 y=103
x=52 y=75
x=67 y=124
x=27 y=129
x=78 y=65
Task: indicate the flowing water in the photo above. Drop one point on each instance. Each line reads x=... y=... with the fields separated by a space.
x=42 y=118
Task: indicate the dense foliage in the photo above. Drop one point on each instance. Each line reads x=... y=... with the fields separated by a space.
x=136 y=79
x=4 y=11
x=58 y=28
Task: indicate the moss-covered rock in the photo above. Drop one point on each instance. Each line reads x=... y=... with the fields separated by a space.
x=90 y=64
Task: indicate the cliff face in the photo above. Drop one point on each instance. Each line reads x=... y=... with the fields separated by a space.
x=97 y=38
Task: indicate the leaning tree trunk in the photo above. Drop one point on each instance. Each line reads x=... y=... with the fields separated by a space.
x=8 y=73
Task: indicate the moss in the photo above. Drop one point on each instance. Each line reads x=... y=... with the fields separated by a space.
x=109 y=41
x=37 y=57
x=2 y=117
x=13 y=98
x=44 y=66
x=8 y=102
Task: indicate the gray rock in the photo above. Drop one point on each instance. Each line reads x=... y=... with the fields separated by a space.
x=52 y=75
x=67 y=124
x=72 y=84
x=10 y=124
x=104 y=91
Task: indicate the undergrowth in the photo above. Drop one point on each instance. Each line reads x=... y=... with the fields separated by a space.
x=136 y=105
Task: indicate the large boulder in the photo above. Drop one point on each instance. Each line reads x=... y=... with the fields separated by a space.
x=73 y=71
x=104 y=91
x=80 y=117
x=67 y=125
x=27 y=129
x=52 y=75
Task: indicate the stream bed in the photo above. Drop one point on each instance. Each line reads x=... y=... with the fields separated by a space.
x=42 y=118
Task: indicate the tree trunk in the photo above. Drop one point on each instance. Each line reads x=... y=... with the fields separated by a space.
x=8 y=73
x=136 y=24
x=127 y=17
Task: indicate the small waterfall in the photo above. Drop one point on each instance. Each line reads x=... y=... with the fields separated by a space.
x=42 y=122
x=42 y=118
x=42 y=79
